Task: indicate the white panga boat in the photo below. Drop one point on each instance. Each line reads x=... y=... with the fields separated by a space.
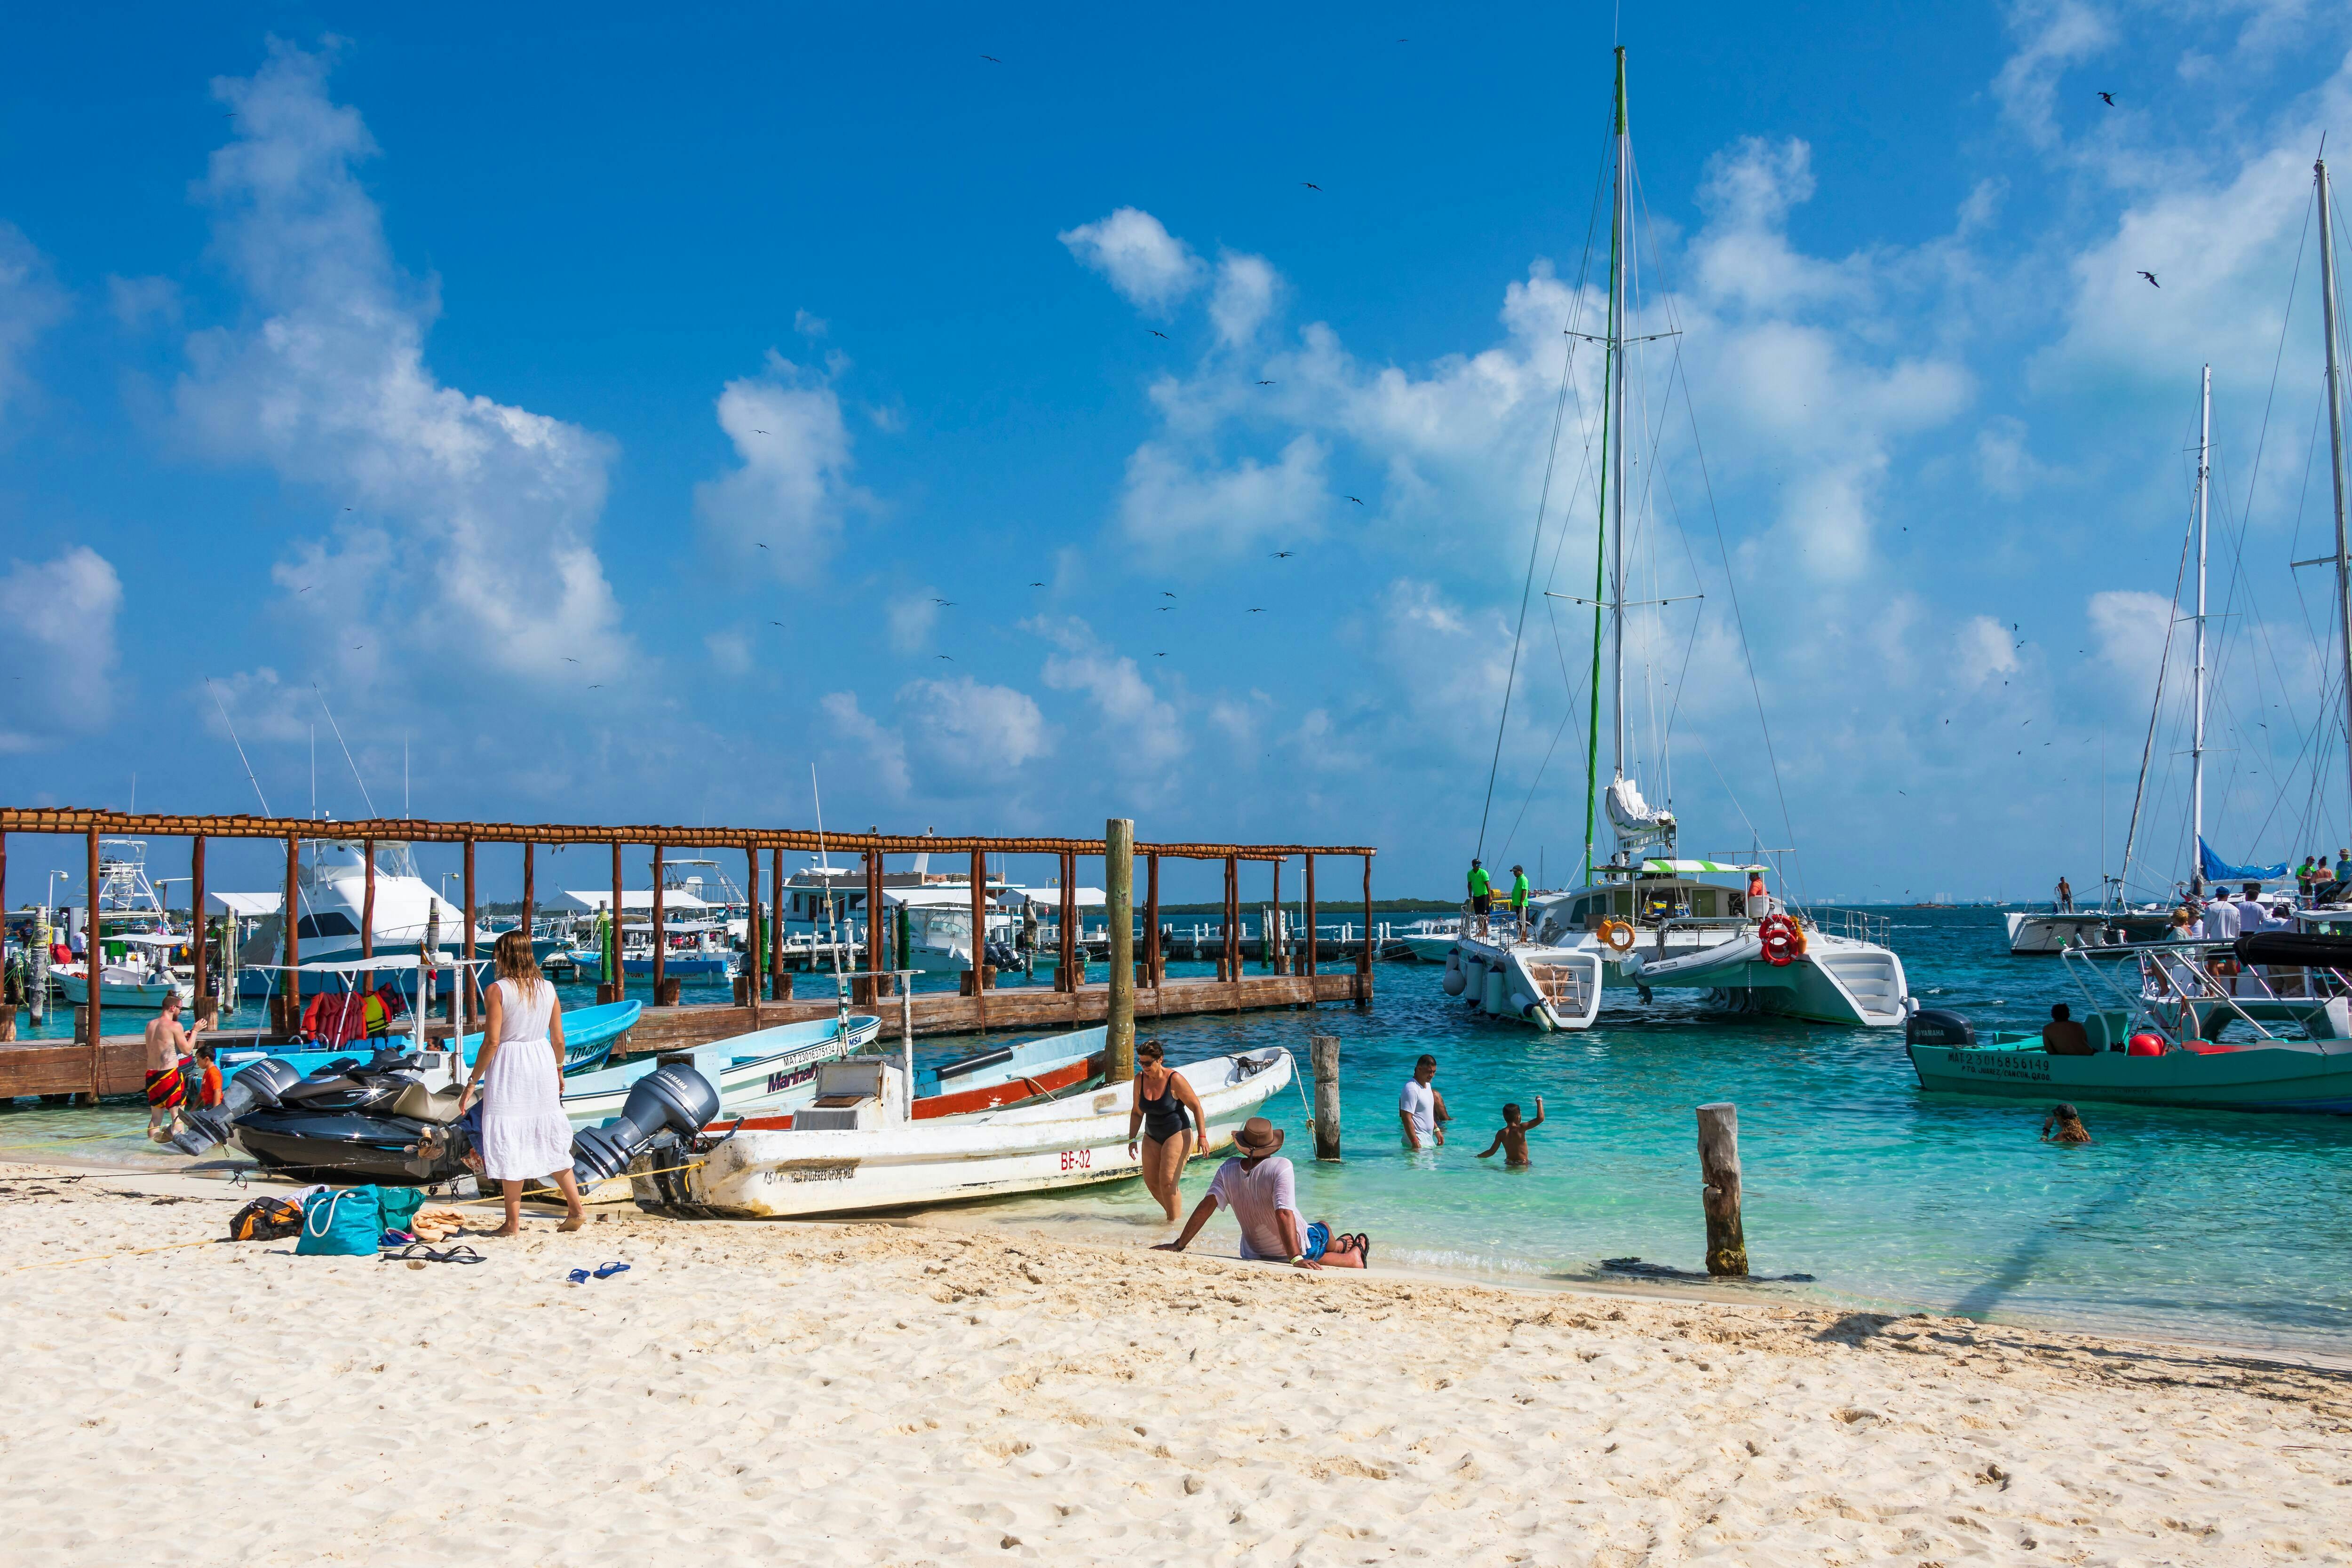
x=1429 y=941
x=749 y=1071
x=857 y=1148
x=142 y=977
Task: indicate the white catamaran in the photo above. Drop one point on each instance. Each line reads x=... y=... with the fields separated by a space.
x=1646 y=918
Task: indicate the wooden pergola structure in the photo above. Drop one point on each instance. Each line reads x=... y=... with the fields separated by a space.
x=753 y=842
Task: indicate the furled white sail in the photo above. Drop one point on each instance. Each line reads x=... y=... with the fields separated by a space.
x=1638 y=823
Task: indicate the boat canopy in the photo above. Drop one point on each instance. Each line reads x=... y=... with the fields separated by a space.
x=929 y=897
x=366 y=965
x=1051 y=897
x=2216 y=869
x=248 y=906
x=149 y=939
x=1668 y=868
x=635 y=898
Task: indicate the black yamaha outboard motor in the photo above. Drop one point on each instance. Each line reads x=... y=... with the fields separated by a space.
x=673 y=1099
x=1940 y=1026
x=257 y=1086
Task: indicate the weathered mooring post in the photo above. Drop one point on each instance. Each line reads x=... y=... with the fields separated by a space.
x=367 y=912
x=1119 y=895
x=1324 y=1051
x=469 y=990
x=196 y=922
x=1154 y=965
x=94 y=967
x=661 y=936
x=1718 y=1164
x=289 y=1001
x=778 y=989
x=620 y=976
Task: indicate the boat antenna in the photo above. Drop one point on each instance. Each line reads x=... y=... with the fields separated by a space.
x=347 y=755
x=233 y=741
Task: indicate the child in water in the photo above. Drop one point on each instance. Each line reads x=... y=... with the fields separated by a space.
x=1513 y=1139
x=2069 y=1127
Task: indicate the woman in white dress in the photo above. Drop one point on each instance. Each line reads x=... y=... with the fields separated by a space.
x=519 y=1073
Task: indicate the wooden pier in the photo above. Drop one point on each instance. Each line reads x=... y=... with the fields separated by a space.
x=98 y=1065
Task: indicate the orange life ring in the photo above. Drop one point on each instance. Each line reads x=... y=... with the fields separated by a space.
x=1617 y=936
x=1783 y=940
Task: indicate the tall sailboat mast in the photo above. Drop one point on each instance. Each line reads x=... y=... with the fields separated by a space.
x=2335 y=433
x=1608 y=589
x=2197 y=697
x=1620 y=251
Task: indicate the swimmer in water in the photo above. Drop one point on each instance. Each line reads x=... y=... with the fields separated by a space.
x=1513 y=1139
x=2068 y=1126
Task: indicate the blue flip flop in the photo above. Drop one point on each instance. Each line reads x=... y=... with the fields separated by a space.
x=607 y=1271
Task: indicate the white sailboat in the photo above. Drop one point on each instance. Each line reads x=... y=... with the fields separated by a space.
x=1647 y=918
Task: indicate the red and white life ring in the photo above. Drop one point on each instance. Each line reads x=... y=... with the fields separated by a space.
x=1783 y=940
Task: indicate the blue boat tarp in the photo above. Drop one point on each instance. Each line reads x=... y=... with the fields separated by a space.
x=2216 y=869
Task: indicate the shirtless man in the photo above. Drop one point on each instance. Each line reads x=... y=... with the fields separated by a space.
x=1513 y=1139
x=167 y=1044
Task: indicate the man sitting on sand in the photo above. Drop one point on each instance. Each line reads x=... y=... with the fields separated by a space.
x=2061 y=1036
x=1513 y=1139
x=1263 y=1193
x=167 y=1044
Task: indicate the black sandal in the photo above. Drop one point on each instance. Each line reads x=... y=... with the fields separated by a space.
x=419 y=1252
x=1363 y=1247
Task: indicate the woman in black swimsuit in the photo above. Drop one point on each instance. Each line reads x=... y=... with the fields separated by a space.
x=1168 y=1116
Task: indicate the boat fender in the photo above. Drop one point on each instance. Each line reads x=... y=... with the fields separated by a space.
x=1782 y=938
x=2145 y=1044
x=1455 y=981
x=673 y=1098
x=1492 y=997
x=1522 y=1003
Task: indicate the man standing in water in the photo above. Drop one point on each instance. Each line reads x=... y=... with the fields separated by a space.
x=167 y=1045
x=1422 y=1108
x=1482 y=894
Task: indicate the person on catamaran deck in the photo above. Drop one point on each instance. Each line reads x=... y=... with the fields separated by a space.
x=2066 y=896
x=1263 y=1193
x=1513 y=1138
x=1422 y=1108
x=519 y=1073
x=2061 y=1036
x=1520 y=897
x=2068 y=1126
x=2302 y=880
x=167 y=1045
x=1168 y=1116
x=1482 y=894
x=2322 y=880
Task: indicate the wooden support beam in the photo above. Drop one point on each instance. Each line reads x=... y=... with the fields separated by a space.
x=1719 y=1167
x=874 y=964
x=367 y=909
x=754 y=939
x=1066 y=975
x=779 y=989
x=530 y=894
x=1154 y=964
x=979 y=935
x=469 y=990
x=1118 y=899
x=661 y=935
x=1274 y=961
x=196 y=913
x=1232 y=933
x=289 y=999
x=1311 y=914
x=620 y=976
x=1364 y=959
x=94 y=965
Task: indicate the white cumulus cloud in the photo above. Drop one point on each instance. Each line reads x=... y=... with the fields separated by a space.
x=790 y=491
x=57 y=636
x=1148 y=266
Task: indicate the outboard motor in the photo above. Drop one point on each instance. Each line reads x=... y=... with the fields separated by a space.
x=1940 y=1026
x=674 y=1099
x=262 y=1084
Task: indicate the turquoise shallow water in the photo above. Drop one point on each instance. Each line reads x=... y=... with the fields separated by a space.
x=2195 y=1225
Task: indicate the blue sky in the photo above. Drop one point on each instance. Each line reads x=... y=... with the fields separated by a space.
x=602 y=404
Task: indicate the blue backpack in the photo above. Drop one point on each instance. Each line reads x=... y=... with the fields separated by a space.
x=342 y=1222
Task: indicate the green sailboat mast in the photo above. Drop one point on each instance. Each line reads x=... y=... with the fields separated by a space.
x=1612 y=488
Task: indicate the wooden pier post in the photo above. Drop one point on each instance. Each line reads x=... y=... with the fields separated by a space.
x=979 y=936
x=529 y=896
x=1310 y=916
x=1323 y=1050
x=289 y=999
x=754 y=942
x=367 y=912
x=1119 y=898
x=1229 y=938
x=661 y=936
x=1364 y=962
x=1066 y=950
x=876 y=925
x=1718 y=1164
x=8 y=1006
x=620 y=975
x=1154 y=965
x=470 y=998
x=1276 y=960
x=196 y=913
x=779 y=989
x=94 y=968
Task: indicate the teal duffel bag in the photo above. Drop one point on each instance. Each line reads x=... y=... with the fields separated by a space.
x=342 y=1222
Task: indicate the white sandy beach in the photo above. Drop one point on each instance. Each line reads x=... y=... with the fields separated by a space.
x=876 y=1395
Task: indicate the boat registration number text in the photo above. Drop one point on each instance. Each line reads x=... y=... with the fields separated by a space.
x=1078 y=1159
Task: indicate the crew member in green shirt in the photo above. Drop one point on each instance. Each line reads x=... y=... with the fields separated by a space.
x=1482 y=894
x=1520 y=897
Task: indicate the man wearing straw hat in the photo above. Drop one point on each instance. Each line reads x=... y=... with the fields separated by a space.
x=1263 y=1193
